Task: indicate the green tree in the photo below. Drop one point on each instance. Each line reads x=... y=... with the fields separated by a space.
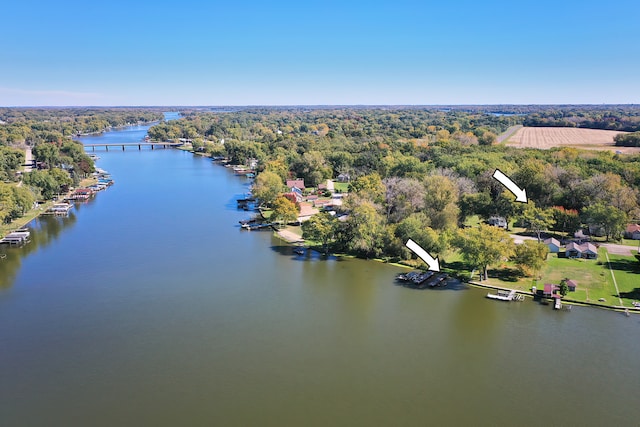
x=415 y=227
x=284 y=210
x=267 y=187
x=487 y=138
x=320 y=228
x=530 y=256
x=313 y=168
x=62 y=178
x=484 y=246
x=43 y=182
x=440 y=202
x=23 y=198
x=369 y=187
x=566 y=220
x=7 y=203
x=47 y=153
x=365 y=231
x=537 y=220
x=564 y=288
x=612 y=220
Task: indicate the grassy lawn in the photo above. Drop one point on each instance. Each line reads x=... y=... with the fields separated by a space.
x=627 y=272
x=592 y=276
x=632 y=243
x=342 y=187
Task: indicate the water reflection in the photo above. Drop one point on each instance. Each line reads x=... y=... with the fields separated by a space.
x=44 y=230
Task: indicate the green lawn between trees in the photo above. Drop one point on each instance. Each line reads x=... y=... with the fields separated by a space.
x=592 y=276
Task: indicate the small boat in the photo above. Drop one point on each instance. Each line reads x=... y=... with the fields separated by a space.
x=299 y=250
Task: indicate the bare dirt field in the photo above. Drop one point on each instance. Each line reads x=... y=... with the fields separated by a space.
x=549 y=137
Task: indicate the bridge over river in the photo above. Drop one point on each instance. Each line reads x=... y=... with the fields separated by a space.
x=153 y=145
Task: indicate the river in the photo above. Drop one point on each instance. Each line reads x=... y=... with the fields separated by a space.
x=150 y=306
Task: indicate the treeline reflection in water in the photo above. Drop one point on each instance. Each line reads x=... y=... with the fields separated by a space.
x=44 y=231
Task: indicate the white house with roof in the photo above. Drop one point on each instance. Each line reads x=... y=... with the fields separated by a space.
x=553 y=245
x=585 y=250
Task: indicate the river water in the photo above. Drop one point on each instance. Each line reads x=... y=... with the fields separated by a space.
x=149 y=306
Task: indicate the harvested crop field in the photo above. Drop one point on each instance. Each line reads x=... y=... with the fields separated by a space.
x=549 y=137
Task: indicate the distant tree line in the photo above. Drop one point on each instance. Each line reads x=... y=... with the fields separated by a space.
x=621 y=118
x=627 y=139
x=33 y=125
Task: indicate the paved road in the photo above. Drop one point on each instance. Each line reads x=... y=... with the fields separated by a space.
x=612 y=248
x=618 y=249
x=28 y=159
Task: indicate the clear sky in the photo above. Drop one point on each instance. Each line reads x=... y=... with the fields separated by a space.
x=310 y=52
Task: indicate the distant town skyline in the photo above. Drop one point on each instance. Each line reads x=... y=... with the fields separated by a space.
x=71 y=53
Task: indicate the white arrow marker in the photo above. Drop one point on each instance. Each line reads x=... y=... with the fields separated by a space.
x=434 y=264
x=520 y=193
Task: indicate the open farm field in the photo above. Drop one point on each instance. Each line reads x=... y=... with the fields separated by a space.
x=549 y=137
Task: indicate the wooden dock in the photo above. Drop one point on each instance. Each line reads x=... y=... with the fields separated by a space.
x=557 y=304
x=257 y=226
x=504 y=295
x=422 y=279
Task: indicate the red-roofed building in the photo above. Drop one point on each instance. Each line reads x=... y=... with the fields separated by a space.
x=632 y=232
x=549 y=290
x=296 y=183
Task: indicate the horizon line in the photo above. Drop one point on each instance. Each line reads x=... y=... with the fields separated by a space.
x=326 y=105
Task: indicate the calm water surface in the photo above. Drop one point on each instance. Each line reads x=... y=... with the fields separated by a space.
x=149 y=306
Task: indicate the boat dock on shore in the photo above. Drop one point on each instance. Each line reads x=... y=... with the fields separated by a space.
x=422 y=279
x=17 y=237
x=504 y=295
x=59 y=209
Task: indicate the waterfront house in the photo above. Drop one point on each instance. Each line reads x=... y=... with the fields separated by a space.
x=585 y=250
x=553 y=245
x=497 y=221
x=296 y=183
x=632 y=232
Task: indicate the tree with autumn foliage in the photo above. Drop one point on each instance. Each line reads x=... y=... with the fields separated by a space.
x=284 y=210
x=484 y=246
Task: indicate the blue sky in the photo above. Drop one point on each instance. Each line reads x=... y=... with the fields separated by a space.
x=319 y=52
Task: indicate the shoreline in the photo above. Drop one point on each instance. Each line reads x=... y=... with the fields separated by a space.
x=35 y=213
x=293 y=238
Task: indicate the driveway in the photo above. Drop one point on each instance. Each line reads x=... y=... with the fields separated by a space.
x=618 y=249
